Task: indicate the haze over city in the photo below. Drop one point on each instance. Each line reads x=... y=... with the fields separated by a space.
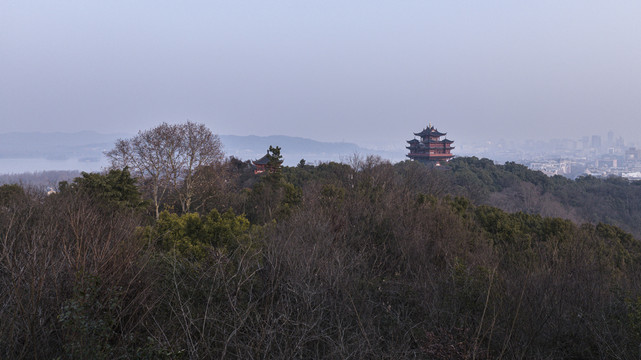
x=366 y=72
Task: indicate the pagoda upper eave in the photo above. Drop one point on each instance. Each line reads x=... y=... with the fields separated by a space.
x=430 y=132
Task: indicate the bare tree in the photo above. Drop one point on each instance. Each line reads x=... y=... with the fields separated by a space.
x=166 y=157
x=200 y=148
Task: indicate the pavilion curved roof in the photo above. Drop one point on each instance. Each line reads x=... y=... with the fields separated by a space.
x=430 y=131
x=262 y=161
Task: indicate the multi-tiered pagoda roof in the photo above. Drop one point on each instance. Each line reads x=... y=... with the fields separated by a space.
x=430 y=149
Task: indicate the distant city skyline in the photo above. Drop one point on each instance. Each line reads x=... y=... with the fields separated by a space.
x=359 y=71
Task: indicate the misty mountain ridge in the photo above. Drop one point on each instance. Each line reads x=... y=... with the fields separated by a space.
x=296 y=148
x=38 y=151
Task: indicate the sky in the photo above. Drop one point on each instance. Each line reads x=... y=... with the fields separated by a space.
x=368 y=72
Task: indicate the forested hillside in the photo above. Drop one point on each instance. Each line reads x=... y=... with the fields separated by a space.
x=513 y=187
x=359 y=260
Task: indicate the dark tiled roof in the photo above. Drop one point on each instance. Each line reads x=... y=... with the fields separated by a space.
x=430 y=131
x=262 y=161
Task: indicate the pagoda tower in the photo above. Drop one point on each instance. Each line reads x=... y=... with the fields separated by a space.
x=430 y=149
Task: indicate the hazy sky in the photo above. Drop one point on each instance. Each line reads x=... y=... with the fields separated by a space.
x=370 y=72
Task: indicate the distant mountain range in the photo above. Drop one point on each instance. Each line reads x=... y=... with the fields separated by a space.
x=295 y=148
x=37 y=151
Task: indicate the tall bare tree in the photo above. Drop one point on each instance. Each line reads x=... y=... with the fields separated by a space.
x=201 y=148
x=166 y=157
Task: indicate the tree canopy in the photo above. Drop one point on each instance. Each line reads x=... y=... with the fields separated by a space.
x=166 y=157
x=116 y=187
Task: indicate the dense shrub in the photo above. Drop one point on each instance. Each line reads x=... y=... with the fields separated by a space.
x=371 y=260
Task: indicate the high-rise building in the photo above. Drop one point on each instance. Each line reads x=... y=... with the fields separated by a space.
x=585 y=142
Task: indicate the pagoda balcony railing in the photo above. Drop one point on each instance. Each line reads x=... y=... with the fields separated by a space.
x=411 y=155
